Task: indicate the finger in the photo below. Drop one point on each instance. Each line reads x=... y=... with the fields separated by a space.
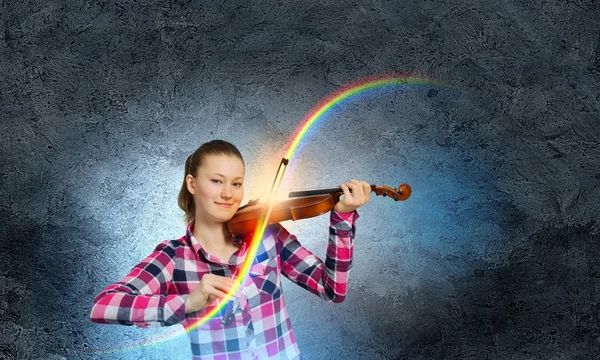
x=352 y=183
x=347 y=195
x=226 y=280
x=357 y=191
x=215 y=283
x=219 y=283
x=366 y=193
x=223 y=284
x=216 y=292
x=220 y=279
x=367 y=187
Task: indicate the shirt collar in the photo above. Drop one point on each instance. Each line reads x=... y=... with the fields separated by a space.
x=237 y=259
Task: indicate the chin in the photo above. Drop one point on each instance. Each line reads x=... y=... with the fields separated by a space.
x=225 y=216
x=220 y=218
x=228 y=216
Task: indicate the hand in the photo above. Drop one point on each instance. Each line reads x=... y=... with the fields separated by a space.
x=208 y=290
x=361 y=191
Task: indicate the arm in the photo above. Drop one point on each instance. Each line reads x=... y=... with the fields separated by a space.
x=327 y=280
x=141 y=298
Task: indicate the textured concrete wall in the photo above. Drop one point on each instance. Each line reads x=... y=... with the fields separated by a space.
x=495 y=256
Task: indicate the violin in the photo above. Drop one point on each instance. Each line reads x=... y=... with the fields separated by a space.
x=302 y=205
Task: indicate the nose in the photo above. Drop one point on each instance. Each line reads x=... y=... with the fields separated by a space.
x=226 y=192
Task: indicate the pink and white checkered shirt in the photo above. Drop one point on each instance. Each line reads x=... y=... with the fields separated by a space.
x=155 y=291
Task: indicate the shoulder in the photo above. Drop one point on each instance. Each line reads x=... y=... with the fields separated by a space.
x=171 y=248
x=277 y=232
x=273 y=239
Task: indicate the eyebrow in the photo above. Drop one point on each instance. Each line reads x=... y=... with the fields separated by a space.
x=221 y=175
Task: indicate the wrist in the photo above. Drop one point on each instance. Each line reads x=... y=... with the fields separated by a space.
x=191 y=305
x=339 y=207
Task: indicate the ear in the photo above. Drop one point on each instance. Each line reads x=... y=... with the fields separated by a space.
x=189 y=180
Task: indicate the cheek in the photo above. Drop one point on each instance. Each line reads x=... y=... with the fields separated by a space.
x=240 y=194
x=205 y=193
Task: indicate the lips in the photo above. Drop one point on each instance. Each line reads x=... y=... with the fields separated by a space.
x=225 y=205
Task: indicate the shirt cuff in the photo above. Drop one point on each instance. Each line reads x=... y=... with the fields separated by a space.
x=343 y=221
x=342 y=229
x=174 y=309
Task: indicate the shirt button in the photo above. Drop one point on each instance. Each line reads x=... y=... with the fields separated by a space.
x=252 y=355
x=249 y=332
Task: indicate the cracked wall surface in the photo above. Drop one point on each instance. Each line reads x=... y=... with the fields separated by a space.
x=494 y=256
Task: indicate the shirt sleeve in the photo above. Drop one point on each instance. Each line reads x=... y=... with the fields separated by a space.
x=141 y=298
x=327 y=280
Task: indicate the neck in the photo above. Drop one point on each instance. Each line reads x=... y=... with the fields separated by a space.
x=213 y=235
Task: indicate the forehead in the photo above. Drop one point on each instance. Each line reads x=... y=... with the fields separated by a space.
x=227 y=165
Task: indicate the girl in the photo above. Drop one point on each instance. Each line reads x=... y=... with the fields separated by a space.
x=184 y=279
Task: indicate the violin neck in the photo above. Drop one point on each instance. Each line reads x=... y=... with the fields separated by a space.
x=294 y=194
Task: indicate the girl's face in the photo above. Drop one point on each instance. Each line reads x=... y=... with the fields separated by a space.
x=218 y=187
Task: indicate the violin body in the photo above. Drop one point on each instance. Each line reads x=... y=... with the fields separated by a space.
x=245 y=220
x=301 y=205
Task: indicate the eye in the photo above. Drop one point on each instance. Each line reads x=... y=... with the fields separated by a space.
x=238 y=184
x=216 y=181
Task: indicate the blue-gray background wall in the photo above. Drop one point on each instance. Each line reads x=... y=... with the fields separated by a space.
x=495 y=255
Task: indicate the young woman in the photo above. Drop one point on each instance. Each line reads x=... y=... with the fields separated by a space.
x=184 y=279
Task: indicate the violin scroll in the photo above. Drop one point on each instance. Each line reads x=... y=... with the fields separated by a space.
x=403 y=192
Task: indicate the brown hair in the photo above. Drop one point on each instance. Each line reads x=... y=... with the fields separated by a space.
x=193 y=163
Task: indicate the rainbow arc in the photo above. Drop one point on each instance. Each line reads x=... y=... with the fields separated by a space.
x=312 y=118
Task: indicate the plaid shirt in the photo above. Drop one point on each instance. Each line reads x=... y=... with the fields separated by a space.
x=155 y=291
